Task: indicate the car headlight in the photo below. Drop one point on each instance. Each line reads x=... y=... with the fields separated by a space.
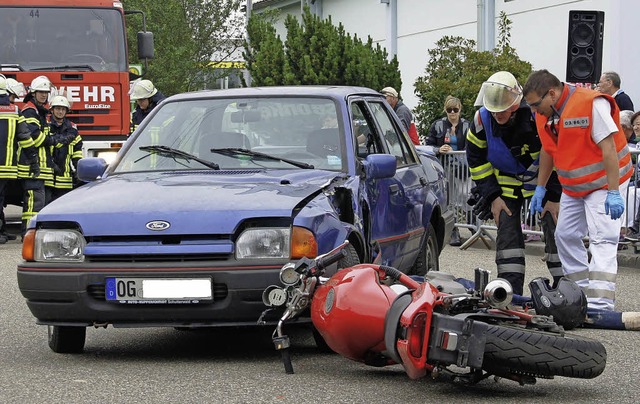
x=264 y=243
x=59 y=245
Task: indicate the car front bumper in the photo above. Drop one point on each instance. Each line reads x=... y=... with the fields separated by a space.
x=77 y=297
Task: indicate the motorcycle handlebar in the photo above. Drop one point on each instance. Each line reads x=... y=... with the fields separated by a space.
x=324 y=262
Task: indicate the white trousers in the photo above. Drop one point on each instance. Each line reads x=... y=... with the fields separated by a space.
x=580 y=217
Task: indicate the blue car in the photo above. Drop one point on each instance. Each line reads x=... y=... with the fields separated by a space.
x=214 y=193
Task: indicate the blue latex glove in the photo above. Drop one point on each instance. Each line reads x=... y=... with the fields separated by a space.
x=536 y=201
x=614 y=204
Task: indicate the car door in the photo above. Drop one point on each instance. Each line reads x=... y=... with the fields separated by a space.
x=395 y=203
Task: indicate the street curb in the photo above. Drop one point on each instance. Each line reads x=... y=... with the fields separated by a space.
x=626 y=258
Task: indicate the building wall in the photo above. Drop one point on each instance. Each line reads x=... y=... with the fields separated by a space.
x=539 y=32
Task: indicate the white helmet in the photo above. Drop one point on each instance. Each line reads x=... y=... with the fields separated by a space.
x=40 y=83
x=142 y=89
x=60 y=101
x=16 y=88
x=500 y=92
x=3 y=85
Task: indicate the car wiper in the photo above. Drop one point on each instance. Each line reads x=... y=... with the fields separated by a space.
x=237 y=150
x=167 y=151
x=64 y=67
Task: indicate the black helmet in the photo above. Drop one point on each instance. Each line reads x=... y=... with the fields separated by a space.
x=566 y=303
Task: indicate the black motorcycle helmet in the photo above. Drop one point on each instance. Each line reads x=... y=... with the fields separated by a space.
x=566 y=303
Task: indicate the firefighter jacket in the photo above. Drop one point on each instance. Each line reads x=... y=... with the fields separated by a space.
x=503 y=159
x=36 y=119
x=13 y=134
x=139 y=114
x=65 y=156
x=577 y=158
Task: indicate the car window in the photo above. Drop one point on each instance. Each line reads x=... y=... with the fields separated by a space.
x=306 y=130
x=364 y=130
x=395 y=140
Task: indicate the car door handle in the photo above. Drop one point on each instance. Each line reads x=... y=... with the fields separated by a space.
x=394 y=189
x=424 y=182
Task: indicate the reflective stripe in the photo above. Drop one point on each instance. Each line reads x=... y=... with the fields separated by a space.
x=600 y=294
x=480 y=172
x=552 y=258
x=510 y=253
x=578 y=276
x=591 y=168
x=598 y=183
x=474 y=139
x=518 y=268
x=603 y=276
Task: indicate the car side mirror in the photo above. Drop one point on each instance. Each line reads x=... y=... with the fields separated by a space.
x=91 y=168
x=379 y=166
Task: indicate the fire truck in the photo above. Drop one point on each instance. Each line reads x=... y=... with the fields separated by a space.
x=81 y=46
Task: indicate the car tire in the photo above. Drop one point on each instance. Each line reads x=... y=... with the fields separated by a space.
x=429 y=256
x=350 y=259
x=64 y=339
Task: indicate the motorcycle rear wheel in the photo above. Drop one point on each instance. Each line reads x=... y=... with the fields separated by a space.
x=514 y=350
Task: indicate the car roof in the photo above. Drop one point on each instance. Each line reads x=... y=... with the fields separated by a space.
x=336 y=92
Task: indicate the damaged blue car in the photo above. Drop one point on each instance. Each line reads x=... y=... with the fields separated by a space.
x=214 y=193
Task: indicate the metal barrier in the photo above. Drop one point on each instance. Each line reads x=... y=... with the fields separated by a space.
x=456 y=167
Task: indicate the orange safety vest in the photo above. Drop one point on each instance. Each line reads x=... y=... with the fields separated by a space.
x=577 y=158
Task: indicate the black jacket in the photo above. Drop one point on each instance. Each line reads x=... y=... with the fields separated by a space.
x=139 y=114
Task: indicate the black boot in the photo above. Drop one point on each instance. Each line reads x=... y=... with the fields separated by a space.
x=455 y=238
x=515 y=279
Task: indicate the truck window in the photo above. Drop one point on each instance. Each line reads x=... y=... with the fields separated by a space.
x=41 y=38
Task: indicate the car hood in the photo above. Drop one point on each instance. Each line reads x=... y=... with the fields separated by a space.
x=210 y=202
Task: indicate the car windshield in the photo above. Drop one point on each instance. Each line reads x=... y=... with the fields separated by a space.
x=59 y=38
x=239 y=133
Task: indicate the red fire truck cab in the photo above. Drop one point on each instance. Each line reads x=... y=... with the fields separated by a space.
x=80 y=45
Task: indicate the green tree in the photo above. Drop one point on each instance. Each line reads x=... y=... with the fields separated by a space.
x=456 y=68
x=189 y=36
x=315 y=52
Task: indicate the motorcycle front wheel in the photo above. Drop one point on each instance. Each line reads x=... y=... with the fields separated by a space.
x=514 y=350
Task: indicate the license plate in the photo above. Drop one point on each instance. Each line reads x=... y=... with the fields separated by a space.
x=158 y=291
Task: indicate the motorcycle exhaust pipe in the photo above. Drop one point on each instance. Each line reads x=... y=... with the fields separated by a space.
x=498 y=293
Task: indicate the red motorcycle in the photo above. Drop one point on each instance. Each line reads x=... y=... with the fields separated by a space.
x=379 y=316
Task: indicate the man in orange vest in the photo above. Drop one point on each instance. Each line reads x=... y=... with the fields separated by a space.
x=582 y=138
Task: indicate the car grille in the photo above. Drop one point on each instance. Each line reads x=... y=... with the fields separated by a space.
x=97 y=291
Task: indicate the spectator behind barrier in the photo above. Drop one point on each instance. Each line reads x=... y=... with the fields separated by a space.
x=450 y=134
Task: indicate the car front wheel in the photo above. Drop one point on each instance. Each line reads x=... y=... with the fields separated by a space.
x=429 y=256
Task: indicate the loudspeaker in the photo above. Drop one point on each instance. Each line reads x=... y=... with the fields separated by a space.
x=584 y=50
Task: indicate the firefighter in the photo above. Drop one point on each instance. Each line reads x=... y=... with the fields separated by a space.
x=13 y=134
x=65 y=157
x=15 y=89
x=146 y=96
x=36 y=174
x=502 y=151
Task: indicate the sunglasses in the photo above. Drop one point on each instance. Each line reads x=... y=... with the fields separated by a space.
x=453 y=110
x=537 y=103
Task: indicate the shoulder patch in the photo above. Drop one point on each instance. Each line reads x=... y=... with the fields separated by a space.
x=477 y=122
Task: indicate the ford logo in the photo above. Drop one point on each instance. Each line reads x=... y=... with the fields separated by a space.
x=158 y=225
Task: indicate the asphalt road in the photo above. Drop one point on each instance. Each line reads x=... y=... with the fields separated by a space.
x=158 y=365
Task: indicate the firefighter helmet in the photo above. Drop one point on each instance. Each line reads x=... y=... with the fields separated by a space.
x=500 y=92
x=566 y=302
x=40 y=83
x=142 y=89
x=16 y=88
x=60 y=101
x=3 y=85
